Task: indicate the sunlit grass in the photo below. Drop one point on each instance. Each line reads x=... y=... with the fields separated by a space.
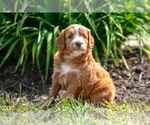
x=75 y=112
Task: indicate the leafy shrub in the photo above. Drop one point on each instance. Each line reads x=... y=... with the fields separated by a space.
x=33 y=34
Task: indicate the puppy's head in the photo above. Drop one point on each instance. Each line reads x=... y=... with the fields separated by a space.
x=75 y=40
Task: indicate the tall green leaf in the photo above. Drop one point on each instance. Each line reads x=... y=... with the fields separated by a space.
x=49 y=40
x=9 y=52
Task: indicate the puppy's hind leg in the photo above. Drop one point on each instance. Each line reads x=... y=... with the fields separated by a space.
x=102 y=98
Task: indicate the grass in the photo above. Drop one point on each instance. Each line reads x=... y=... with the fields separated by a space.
x=74 y=112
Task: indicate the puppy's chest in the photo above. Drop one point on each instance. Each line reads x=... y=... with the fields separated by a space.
x=67 y=74
x=65 y=69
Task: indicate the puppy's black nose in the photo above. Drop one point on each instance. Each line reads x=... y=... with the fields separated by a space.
x=78 y=44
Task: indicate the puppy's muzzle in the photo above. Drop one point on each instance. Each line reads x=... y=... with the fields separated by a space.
x=78 y=44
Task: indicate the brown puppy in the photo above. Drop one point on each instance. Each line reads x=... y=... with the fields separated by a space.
x=76 y=70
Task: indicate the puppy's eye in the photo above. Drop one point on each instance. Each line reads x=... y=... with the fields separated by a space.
x=84 y=36
x=70 y=36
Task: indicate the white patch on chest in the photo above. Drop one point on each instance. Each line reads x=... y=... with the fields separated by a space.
x=65 y=69
x=63 y=73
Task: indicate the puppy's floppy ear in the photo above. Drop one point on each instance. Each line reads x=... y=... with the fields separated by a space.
x=60 y=41
x=90 y=40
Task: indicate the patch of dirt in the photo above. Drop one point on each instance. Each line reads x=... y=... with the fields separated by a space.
x=133 y=84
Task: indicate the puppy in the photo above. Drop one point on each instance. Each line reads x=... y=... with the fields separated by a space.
x=76 y=70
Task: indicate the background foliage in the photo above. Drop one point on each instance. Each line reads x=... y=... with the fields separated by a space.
x=33 y=35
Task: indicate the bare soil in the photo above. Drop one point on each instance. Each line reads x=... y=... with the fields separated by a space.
x=133 y=85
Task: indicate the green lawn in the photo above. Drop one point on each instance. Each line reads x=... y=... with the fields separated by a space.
x=74 y=112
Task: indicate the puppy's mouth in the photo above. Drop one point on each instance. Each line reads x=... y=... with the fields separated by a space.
x=79 y=49
x=77 y=53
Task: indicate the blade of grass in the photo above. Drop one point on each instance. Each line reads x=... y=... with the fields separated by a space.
x=5 y=7
x=119 y=34
x=127 y=47
x=24 y=49
x=33 y=50
x=104 y=46
x=146 y=41
x=38 y=48
x=15 y=17
x=69 y=12
x=8 y=101
x=117 y=24
x=32 y=34
x=93 y=28
x=145 y=50
x=41 y=20
x=87 y=6
x=16 y=4
x=2 y=39
x=108 y=41
x=25 y=60
x=18 y=64
x=17 y=107
x=25 y=4
x=9 y=51
x=139 y=40
x=3 y=27
x=9 y=27
x=39 y=8
x=123 y=58
x=21 y=54
x=141 y=29
x=29 y=29
x=7 y=42
x=95 y=52
x=54 y=46
x=42 y=106
x=21 y=23
x=49 y=40
x=103 y=6
x=115 y=59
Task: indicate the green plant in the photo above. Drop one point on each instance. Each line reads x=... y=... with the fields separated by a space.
x=29 y=33
x=33 y=35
